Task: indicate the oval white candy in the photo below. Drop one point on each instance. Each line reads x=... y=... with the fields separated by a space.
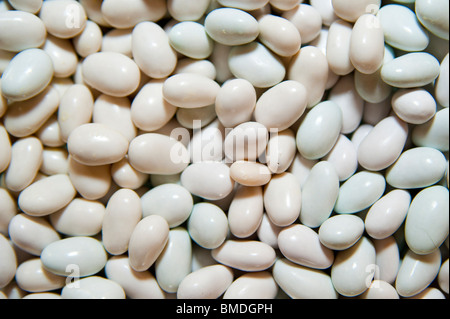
x=91 y=182
x=85 y=253
x=126 y=176
x=411 y=70
x=341 y=231
x=416 y=168
x=247 y=255
x=443 y=276
x=314 y=254
x=359 y=192
x=207 y=144
x=380 y=289
x=417 y=272
x=401 y=28
x=209 y=180
x=184 y=10
x=258 y=285
x=384 y=144
x=426 y=225
x=338 y=47
x=93 y=287
x=281 y=151
x=89 y=40
x=283 y=199
x=207 y=225
x=307 y=20
x=256 y=64
x=33 y=277
x=353 y=268
x=8 y=261
x=343 y=157
x=111 y=73
x=250 y=173
x=25 y=30
x=319 y=194
x=63 y=55
x=434 y=16
x=96 y=144
x=191 y=40
x=442 y=83
x=414 y=106
x=300 y=282
x=434 y=133
x=47 y=195
x=319 y=130
x=388 y=259
x=387 y=214
x=247 y=141
x=291 y=96
x=279 y=34
x=27 y=74
x=352 y=10
x=230 y=26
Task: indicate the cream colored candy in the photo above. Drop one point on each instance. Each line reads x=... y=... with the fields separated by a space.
x=417 y=167
x=209 y=180
x=93 y=11
x=183 y=10
x=203 y=67
x=434 y=133
x=359 y=192
x=441 y=85
x=96 y=144
x=63 y=19
x=417 y=272
x=24 y=118
x=281 y=150
x=147 y=242
x=150 y=40
x=26 y=159
x=387 y=214
x=388 y=259
x=33 y=277
x=307 y=19
x=8 y=261
x=414 y=106
x=89 y=41
x=86 y=253
x=352 y=10
x=172 y=156
x=345 y=95
x=230 y=26
x=126 y=176
x=340 y=232
x=326 y=10
x=380 y=289
x=8 y=209
x=119 y=41
x=47 y=195
x=401 y=28
x=32 y=6
x=375 y=112
x=191 y=40
x=310 y=67
x=49 y=133
x=63 y=55
x=426 y=225
x=313 y=254
x=126 y=15
x=81 y=217
x=247 y=255
x=54 y=161
x=206 y=143
x=246 y=211
x=5 y=147
x=27 y=75
x=411 y=70
x=434 y=16
x=115 y=113
x=428 y=293
x=300 y=282
x=250 y=173
x=283 y=5
x=267 y=232
x=188 y=90
x=280 y=35
x=31 y=234
x=338 y=47
x=171 y=201
x=91 y=182
x=235 y=102
x=367 y=44
x=291 y=97
x=20 y=31
x=319 y=130
x=282 y=199
x=209 y=282
x=247 y=141
x=258 y=285
x=136 y=285
x=111 y=73
x=75 y=108
x=319 y=194
x=443 y=276
x=207 y=225
x=247 y=5
x=123 y=212
x=343 y=157
x=353 y=269
x=175 y=261
x=256 y=64
x=195 y=118
x=384 y=144
x=93 y=287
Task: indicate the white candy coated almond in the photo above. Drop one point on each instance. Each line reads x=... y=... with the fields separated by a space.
x=91 y=182
x=258 y=285
x=442 y=83
x=247 y=141
x=8 y=261
x=344 y=157
x=338 y=47
x=281 y=150
x=414 y=106
x=31 y=6
x=250 y=173
x=434 y=133
x=89 y=40
x=63 y=55
x=388 y=259
x=33 y=277
x=279 y=34
x=341 y=231
x=434 y=16
x=93 y=287
x=126 y=176
x=307 y=20
x=352 y=10
x=380 y=289
x=183 y=10
x=191 y=40
x=207 y=225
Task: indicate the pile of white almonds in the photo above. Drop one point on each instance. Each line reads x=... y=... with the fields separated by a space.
x=235 y=149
